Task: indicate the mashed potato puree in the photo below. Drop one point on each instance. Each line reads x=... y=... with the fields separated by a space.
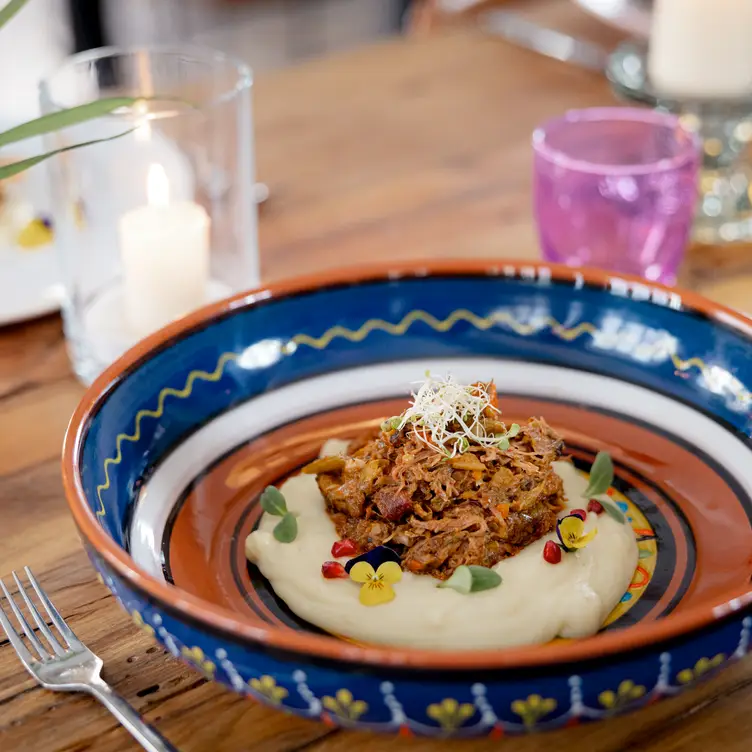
x=535 y=602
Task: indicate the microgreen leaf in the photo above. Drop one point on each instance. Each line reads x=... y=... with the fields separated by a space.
x=286 y=530
x=514 y=429
x=601 y=475
x=613 y=511
x=391 y=424
x=471 y=579
x=461 y=580
x=503 y=443
x=483 y=578
x=273 y=502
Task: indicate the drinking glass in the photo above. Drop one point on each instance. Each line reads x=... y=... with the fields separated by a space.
x=616 y=188
x=158 y=216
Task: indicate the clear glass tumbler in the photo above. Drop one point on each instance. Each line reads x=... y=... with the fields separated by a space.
x=616 y=188
x=159 y=218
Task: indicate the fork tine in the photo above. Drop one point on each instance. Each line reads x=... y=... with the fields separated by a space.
x=54 y=614
x=18 y=645
x=34 y=611
x=21 y=619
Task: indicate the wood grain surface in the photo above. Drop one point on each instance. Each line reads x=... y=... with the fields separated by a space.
x=411 y=148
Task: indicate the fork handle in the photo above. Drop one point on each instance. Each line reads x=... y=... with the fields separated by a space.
x=147 y=736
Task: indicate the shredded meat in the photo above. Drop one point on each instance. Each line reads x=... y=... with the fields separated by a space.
x=476 y=508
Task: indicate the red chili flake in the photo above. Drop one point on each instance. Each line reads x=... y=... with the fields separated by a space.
x=610 y=492
x=581 y=513
x=595 y=506
x=333 y=570
x=344 y=547
x=551 y=552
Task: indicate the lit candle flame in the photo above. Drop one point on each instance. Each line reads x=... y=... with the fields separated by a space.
x=157 y=186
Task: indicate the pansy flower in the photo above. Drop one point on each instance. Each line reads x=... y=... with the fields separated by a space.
x=375 y=557
x=376 y=583
x=571 y=533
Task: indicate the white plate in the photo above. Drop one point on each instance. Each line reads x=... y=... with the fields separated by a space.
x=632 y=16
x=30 y=283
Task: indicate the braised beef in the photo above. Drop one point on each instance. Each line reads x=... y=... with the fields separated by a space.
x=478 y=507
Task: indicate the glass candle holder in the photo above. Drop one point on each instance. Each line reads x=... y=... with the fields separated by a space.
x=158 y=217
x=616 y=188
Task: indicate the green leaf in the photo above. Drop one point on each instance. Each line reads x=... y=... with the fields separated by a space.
x=514 y=429
x=601 y=475
x=483 y=578
x=643 y=554
x=391 y=424
x=56 y=121
x=461 y=580
x=273 y=502
x=9 y=10
x=613 y=511
x=503 y=443
x=471 y=579
x=9 y=170
x=286 y=530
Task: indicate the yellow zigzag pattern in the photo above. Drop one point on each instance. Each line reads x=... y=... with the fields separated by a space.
x=193 y=377
x=372 y=325
x=441 y=325
x=481 y=322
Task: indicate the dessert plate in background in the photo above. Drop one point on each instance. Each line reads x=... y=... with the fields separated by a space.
x=29 y=274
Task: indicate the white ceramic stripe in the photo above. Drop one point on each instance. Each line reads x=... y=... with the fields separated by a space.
x=295 y=401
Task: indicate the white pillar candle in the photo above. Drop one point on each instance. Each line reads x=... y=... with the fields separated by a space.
x=165 y=257
x=701 y=48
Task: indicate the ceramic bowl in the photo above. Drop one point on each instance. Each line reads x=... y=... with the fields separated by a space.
x=168 y=452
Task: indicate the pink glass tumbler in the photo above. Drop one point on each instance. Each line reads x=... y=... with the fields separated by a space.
x=616 y=188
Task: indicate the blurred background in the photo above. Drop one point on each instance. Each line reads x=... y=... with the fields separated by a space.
x=265 y=33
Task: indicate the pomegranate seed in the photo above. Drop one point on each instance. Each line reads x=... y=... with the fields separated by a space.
x=595 y=506
x=581 y=513
x=333 y=570
x=344 y=547
x=551 y=552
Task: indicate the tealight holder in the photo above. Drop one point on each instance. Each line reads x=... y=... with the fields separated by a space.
x=724 y=212
x=156 y=215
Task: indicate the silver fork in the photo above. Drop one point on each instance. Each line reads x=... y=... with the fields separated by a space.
x=73 y=667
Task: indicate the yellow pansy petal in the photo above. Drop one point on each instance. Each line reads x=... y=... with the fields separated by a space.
x=583 y=540
x=362 y=572
x=389 y=572
x=571 y=527
x=466 y=710
x=685 y=676
x=375 y=593
x=607 y=699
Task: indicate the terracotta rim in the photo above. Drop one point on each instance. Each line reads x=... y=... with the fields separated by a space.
x=216 y=618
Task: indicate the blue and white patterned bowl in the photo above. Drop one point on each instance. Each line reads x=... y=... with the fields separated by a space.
x=166 y=455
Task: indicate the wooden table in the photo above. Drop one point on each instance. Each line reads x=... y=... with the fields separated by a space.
x=409 y=148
